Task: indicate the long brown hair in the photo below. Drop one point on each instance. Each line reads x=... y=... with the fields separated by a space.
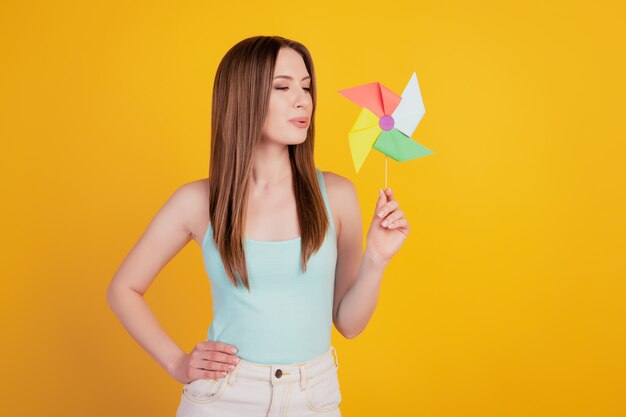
x=241 y=94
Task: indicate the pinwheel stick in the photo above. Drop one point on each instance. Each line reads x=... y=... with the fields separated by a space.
x=385 y=172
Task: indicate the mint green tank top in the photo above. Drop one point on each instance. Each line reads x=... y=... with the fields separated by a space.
x=286 y=317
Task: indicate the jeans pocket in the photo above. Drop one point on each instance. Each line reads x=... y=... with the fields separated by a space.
x=322 y=391
x=205 y=390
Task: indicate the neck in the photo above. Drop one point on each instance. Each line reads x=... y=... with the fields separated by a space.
x=271 y=166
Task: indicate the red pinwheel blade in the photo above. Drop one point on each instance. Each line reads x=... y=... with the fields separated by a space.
x=375 y=97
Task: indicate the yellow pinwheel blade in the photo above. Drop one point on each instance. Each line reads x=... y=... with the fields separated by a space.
x=362 y=137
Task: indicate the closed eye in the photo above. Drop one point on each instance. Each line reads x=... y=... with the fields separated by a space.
x=286 y=88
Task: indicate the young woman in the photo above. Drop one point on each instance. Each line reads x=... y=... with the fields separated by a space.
x=281 y=242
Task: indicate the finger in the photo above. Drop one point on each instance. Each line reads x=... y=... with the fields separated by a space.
x=389 y=194
x=400 y=224
x=392 y=217
x=217 y=346
x=200 y=373
x=387 y=208
x=382 y=200
x=215 y=366
x=213 y=375
x=196 y=374
x=219 y=357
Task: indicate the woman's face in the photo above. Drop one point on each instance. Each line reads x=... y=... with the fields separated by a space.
x=290 y=99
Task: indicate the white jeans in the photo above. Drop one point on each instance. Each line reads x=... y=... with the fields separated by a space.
x=304 y=389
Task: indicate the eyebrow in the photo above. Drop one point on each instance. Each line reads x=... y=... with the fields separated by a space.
x=290 y=78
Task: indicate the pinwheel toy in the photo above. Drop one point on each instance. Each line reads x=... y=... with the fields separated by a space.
x=386 y=122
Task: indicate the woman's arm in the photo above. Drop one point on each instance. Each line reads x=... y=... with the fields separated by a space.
x=165 y=236
x=358 y=274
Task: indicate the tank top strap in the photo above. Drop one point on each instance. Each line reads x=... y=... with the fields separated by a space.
x=320 y=178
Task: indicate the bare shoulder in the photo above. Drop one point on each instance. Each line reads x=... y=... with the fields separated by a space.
x=193 y=198
x=193 y=193
x=336 y=183
x=342 y=195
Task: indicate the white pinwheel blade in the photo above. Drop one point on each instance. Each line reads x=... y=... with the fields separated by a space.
x=410 y=111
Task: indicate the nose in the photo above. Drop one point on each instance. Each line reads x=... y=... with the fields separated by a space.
x=303 y=99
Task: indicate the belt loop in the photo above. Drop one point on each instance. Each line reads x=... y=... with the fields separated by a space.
x=231 y=377
x=332 y=348
x=302 y=378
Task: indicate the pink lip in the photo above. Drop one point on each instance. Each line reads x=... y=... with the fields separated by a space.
x=302 y=122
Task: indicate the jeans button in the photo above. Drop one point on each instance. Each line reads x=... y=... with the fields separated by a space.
x=279 y=373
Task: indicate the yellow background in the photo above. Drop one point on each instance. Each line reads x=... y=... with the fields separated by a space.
x=507 y=299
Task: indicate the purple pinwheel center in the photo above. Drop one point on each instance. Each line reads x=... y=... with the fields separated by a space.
x=386 y=122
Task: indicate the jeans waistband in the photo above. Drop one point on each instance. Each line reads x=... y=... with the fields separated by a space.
x=285 y=373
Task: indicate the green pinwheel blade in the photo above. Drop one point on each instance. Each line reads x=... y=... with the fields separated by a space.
x=399 y=146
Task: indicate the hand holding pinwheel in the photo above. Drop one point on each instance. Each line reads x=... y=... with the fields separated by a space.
x=388 y=229
x=386 y=122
